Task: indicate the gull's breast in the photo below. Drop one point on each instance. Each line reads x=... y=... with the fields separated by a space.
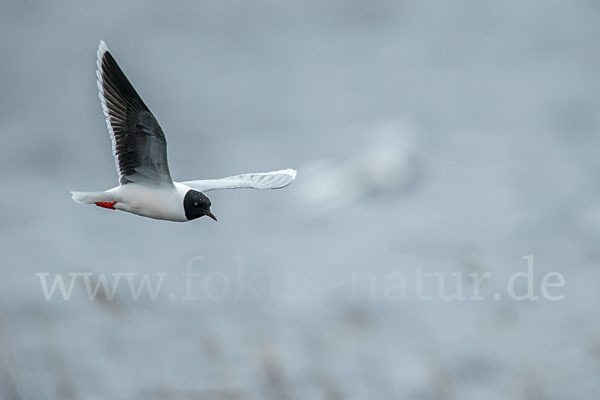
x=164 y=203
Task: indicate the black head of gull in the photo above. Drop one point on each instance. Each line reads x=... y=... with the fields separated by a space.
x=196 y=205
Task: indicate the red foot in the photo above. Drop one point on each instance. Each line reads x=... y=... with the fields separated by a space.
x=107 y=204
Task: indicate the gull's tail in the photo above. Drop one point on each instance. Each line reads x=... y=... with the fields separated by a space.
x=88 y=197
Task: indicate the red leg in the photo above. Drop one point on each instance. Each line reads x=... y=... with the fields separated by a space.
x=107 y=204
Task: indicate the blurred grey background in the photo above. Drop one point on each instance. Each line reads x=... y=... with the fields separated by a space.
x=457 y=136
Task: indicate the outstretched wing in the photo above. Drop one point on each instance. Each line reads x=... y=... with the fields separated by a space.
x=139 y=144
x=263 y=180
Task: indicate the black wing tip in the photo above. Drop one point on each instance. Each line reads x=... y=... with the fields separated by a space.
x=104 y=56
x=102 y=49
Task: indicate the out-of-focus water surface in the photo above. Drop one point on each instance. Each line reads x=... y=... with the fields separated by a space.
x=455 y=136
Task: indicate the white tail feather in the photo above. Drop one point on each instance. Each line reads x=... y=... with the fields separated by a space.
x=88 y=197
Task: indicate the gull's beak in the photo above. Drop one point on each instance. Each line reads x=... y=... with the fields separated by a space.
x=211 y=215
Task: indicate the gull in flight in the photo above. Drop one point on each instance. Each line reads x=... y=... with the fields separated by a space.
x=140 y=149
